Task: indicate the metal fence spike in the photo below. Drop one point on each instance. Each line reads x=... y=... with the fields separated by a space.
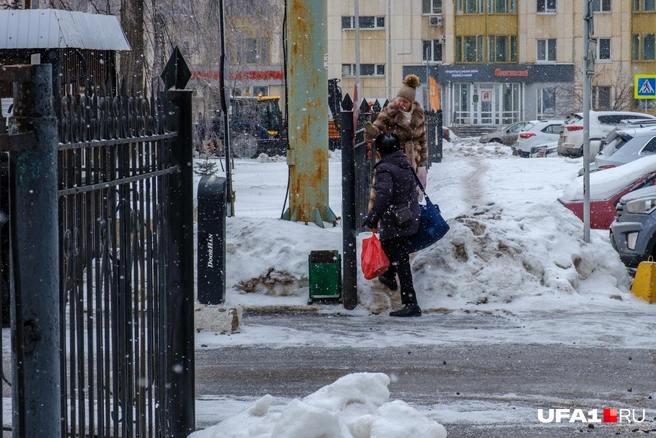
x=347 y=103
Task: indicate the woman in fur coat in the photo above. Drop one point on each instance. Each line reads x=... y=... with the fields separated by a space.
x=405 y=118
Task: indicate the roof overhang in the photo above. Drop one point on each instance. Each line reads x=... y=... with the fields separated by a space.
x=55 y=28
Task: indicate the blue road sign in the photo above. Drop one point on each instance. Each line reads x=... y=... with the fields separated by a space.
x=644 y=87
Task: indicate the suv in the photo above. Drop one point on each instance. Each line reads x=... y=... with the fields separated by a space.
x=633 y=233
x=602 y=123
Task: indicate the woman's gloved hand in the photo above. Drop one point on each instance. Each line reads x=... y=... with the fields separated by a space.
x=371 y=129
x=368 y=223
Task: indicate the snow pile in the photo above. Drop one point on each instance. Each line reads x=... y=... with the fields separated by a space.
x=493 y=255
x=355 y=406
x=510 y=239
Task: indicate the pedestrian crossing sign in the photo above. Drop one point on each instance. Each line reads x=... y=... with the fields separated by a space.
x=644 y=87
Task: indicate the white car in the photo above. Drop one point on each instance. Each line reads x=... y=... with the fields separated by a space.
x=602 y=123
x=534 y=137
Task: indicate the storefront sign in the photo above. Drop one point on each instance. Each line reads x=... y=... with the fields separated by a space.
x=527 y=73
x=500 y=72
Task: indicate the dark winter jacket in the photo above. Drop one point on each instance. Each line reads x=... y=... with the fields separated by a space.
x=395 y=187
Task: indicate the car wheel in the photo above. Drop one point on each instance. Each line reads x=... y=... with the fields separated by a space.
x=244 y=146
x=496 y=140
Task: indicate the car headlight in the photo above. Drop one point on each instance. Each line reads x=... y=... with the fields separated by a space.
x=644 y=206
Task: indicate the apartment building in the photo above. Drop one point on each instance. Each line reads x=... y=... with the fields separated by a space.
x=495 y=61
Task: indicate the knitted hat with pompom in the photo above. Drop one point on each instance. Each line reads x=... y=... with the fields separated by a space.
x=409 y=88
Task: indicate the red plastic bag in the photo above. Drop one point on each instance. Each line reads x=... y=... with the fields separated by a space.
x=373 y=260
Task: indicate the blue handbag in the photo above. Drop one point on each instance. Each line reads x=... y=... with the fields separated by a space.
x=432 y=226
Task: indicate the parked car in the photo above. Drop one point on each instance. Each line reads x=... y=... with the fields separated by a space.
x=606 y=189
x=507 y=135
x=626 y=146
x=602 y=123
x=611 y=144
x=536 y=133
x=633 y=234
x=626 y=125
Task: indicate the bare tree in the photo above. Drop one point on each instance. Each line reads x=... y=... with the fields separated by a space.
x=617 y=78
x=11 y=4
x=132 y=21
x=254 y=34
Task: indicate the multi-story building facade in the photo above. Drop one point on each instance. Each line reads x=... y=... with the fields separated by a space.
x=496 y=61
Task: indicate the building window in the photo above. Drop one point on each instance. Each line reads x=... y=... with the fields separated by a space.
x=644 y=5
x=501 y=6
x=469 y=6
x=546 y=102
x=547 y=6
x=257 y=50
x=601 y=98
x=601 y=5
x=261 y=91
x=501 y=49
x=366 y=22
x=603 y=49
x=469 y=48
x=432 y=50
x=546 y=50
x=644 y=47
x=365 y=70
x=431 y=6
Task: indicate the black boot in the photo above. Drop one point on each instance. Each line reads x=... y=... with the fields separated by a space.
x=390 y=282
x=411 y=309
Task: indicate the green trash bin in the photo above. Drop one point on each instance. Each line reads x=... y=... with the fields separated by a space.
x=325 y=276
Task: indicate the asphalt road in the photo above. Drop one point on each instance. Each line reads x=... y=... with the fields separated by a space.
x=474 y=390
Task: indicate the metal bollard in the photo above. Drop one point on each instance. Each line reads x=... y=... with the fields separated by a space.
x=211 y=240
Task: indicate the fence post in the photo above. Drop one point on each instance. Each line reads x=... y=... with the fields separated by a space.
x=35 y=255
x=440 y=136
x=349 y=248
x=180 y=287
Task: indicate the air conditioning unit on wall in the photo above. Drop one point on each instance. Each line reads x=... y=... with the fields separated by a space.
x=435 y=20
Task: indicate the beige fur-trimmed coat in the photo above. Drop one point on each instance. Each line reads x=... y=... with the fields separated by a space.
x=412 y=135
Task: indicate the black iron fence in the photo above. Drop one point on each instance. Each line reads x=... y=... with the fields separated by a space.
x=123 y=335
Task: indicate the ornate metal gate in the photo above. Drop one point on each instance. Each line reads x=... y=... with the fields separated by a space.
x=126 y=269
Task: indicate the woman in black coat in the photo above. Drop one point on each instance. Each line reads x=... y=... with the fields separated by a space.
x=395 y=213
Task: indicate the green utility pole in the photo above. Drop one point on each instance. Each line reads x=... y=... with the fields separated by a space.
x=307 y=82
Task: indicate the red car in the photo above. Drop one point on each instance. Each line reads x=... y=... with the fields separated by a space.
x=606 y=189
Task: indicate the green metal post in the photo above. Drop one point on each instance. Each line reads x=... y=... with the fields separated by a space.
x=307 y=80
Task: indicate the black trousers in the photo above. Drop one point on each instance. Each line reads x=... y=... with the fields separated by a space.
x=396 y=250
